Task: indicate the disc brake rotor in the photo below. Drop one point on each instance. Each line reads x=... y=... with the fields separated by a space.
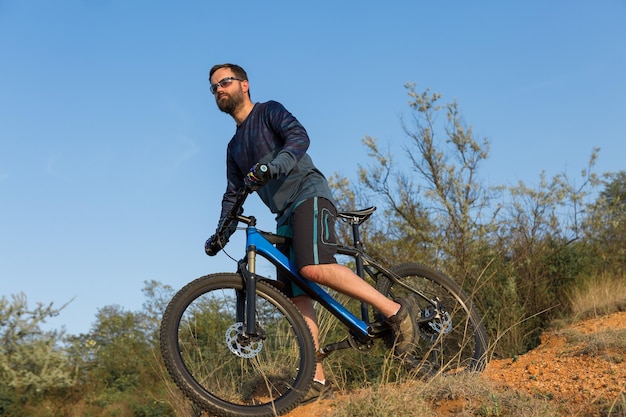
x=234 y=342
x=440 y=324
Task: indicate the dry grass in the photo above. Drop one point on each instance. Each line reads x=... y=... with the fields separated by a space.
x=599 y=296
x=591 y=344
x=382 y=401
x=460 y=395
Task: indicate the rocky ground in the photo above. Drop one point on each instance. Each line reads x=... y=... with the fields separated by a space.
x=583 y=376
x=574 y=368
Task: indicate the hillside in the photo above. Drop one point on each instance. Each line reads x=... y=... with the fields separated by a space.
x=578 y=369
x=581 y=367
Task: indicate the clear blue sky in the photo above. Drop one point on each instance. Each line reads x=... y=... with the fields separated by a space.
x=112 y=150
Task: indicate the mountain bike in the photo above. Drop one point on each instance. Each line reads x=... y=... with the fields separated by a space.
x=235 y=345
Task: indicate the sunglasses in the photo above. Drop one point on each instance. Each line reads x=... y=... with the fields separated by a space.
x=223 y=83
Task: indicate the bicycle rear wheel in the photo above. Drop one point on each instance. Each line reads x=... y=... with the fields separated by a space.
x=222 y=372
x=455 y=338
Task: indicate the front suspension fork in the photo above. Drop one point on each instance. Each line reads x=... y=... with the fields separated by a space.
x=246 y=300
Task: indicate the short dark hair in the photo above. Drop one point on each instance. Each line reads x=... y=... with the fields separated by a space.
x=236 y=69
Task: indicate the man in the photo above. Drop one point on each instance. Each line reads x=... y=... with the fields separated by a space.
x=268 y=154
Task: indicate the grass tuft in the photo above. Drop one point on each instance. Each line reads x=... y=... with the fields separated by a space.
x=598 y=296
x=465 y=394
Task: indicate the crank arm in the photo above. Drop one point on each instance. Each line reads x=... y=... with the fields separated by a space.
x=327 y=350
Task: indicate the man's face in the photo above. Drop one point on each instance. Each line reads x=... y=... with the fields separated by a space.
x=229 y=95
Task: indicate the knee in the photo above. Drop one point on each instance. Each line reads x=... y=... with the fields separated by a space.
x=310 y=272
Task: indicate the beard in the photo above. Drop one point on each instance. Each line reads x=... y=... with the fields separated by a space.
x=228 y=103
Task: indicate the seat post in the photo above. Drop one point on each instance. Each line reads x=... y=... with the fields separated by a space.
x=356 y=236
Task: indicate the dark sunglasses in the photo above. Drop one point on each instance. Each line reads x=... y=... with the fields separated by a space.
x=223 y=83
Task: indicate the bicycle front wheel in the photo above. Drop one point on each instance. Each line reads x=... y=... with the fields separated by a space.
x=222 y=371
x=455 y=338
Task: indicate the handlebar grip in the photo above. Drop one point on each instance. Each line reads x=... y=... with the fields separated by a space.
x=215 y=244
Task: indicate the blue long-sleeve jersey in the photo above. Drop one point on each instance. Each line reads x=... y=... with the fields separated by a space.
x=273 y=136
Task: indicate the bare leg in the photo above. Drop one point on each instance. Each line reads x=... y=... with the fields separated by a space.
x=343 y=279
x=305 y=305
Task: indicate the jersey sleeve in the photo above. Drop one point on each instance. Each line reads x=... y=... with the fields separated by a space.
x=294 y=136
x=234 y=182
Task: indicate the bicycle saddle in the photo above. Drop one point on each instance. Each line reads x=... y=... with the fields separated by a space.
x=357 y=216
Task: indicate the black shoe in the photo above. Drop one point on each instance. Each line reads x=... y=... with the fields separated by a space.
x=318 y=391
x=404 y=326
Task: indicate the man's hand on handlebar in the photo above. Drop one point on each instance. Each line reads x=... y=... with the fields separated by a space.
x=258 y=176
x=214 y=244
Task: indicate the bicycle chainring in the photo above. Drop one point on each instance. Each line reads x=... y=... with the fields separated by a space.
x=359 y=346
